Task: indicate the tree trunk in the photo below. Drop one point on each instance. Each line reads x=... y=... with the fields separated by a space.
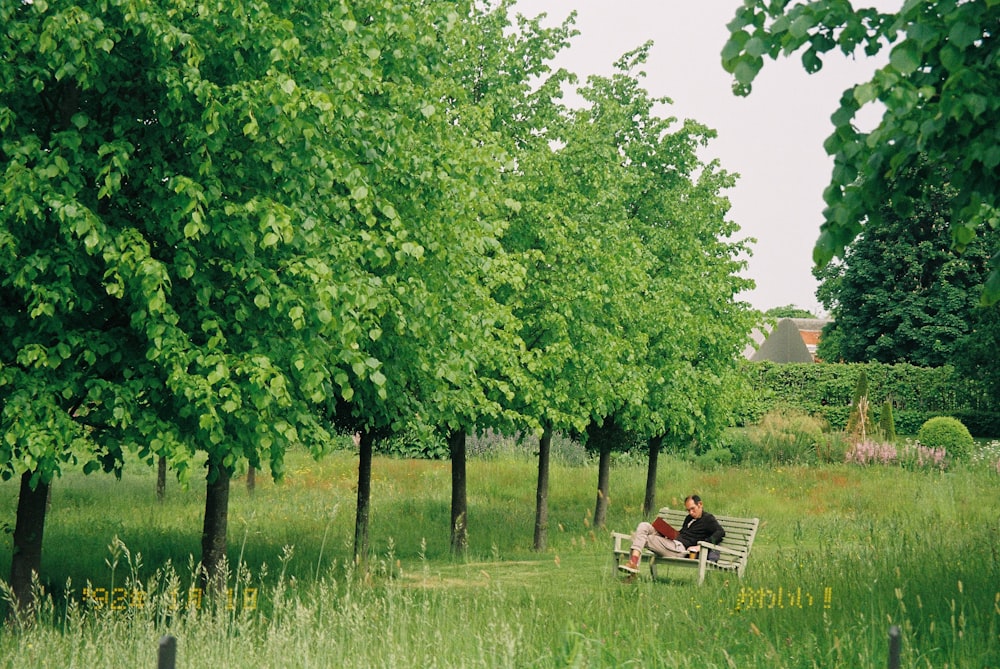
x=365 y=447
x=542 y=490
x=28 y=530
x=649 y=502
x=459 y=500
x=161 y=479
x=603 y=484
x=251 y=479
x=213 y=535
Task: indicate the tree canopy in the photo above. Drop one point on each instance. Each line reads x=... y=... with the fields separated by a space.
x=941 y=97
x=789 y=311
x=902 y=293
x=199 y=210
x=225 y=229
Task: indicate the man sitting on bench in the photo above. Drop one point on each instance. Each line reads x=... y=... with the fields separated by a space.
x=697 y=526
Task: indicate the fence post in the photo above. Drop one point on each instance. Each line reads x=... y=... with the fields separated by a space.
x=894 y=647
x=167 y=656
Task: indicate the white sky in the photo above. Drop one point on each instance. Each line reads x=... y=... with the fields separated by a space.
x=773 y=139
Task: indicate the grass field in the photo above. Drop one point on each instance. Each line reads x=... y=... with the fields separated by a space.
x=843 y=553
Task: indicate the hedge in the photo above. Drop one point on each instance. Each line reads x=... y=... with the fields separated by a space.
x=825 y=389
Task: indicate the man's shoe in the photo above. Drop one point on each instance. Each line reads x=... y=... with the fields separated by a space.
x=632 y=566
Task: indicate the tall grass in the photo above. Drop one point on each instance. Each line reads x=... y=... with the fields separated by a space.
x=843 y=553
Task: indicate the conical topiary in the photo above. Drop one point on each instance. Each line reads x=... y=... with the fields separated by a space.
x=887 y=423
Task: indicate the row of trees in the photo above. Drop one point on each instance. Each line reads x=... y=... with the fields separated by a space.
x=230 y=229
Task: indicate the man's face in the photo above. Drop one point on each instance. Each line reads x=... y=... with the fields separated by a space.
x=693 y=508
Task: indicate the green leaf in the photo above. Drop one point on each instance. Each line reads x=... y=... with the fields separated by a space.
x=952 y=58
x=905 y=57
x=800 y=26
x=755 y=46
x=825 y=249
x=734 y=47
x=811 y=61
x=865 y=93
x=991 y=289
x=963 y=34
x=746 y=70
x=389 y=211
x=975 y=103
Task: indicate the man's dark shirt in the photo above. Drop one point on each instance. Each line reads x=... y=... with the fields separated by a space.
x=706 y=528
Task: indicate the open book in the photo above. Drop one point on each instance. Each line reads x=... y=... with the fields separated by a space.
x=664 y=528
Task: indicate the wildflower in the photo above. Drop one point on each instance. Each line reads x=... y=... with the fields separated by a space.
x=870 y=452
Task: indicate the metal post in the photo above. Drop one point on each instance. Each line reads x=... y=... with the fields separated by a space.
x=894 y=640
x=167 y=657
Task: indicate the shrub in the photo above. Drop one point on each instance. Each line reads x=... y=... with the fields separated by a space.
x=831 y=447
x=886 y=422
x=947 y=433
x=492 y=445
x=786 y=437
x=738 y=442
x=715 y=457
x=414 y=442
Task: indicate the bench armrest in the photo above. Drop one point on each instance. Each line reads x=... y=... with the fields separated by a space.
x=622 y=539
x=721 y=549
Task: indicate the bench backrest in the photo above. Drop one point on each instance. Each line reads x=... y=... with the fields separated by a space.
x=740 y=532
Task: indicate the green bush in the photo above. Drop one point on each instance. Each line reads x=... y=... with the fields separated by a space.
x=715 y=457
x=947 y=433
x=738 y=442
x=787 y=436
x=886 y=422
x=414 y=443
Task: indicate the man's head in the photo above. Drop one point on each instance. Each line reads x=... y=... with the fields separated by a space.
x=693 y=506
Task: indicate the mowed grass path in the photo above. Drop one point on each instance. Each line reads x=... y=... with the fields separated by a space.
x=843 y=553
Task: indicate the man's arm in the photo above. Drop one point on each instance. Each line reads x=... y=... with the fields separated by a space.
x=718 y=532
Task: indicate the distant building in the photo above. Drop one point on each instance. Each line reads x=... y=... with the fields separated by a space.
x=791 y=340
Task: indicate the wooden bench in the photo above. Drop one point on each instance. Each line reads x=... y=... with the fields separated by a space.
x=732 y=552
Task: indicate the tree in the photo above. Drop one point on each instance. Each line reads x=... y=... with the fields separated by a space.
x=587 y=272
x=975 y=354
x=688 y=314
x=788 y=311
x=185 y=197
x=941 y=98
x=567 y=230
x=901 y=292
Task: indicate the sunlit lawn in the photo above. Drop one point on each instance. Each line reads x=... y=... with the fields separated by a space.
x=843 y=553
